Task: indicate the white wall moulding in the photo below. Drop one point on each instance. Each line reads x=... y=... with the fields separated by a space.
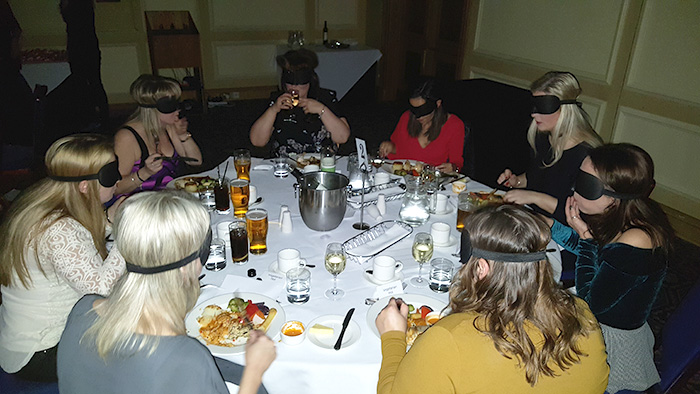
x=581 y=37
x=674 y=146
x=257 y=15
x=339 y=14
x=476 y=72
x=666 y=56
x=241 y=60
x=120 y=67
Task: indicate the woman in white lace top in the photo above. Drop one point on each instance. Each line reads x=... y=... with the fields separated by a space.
x=54 y=252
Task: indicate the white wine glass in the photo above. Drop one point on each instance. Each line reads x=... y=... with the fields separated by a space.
x=335 y=264
x=422 y=252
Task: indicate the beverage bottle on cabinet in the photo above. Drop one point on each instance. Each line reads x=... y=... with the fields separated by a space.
x=325 y=32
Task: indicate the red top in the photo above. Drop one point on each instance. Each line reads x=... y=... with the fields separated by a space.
x=447 y=147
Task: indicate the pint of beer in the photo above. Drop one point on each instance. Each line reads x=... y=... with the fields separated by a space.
x=240 y=193
x=465 y=208
x=241 y=160
x=257 y=230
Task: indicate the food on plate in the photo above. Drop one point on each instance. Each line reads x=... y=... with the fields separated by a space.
x=292 y=328
x=303 y=161
x=320 y=330
x=232 y=326
x=458 y=187
x=483 y=198
x=194 y=184
x=407 y=168
x=418 y=321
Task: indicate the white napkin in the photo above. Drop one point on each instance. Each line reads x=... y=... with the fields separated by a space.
x=263 y=167
x=381 y=242
x=266 y=286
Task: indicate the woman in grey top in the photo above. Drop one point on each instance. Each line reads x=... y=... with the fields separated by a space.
x=135 y=339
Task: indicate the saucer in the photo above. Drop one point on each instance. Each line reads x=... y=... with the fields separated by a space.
x=451 y=242
x=370 y=278
x=448 y=209
x=275 y=269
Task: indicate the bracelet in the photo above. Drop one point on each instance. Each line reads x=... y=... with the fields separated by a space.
x=187 y=137
x=139 y=176
x=133 y=179
x=323 y=111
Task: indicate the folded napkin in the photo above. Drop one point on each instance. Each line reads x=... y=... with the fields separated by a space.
x=268 y=287
x=381 y=242
x=262 y=167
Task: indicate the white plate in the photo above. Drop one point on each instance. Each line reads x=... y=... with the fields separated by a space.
x=352 y=333
x=448 y=210
x=371 y=279
x=451 y=242
x=171 y=184
x=417 y=300
x=273 y=330
x=275 y=269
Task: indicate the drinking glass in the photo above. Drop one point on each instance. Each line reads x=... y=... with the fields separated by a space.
x=441 y=271
x=422 y=253
x=295 y=97
x=335 y=264
x=217 y=255
x=207 y=197
x=257 y=230
x=240 y=193
x=298 y=285
x=221 y=196
x=238 y=233
x=465 y=207
x=241 y=160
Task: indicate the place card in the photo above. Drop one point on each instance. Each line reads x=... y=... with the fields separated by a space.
x=388 y=289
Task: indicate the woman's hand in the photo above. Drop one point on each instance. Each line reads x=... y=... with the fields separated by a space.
x=259 y=352
x=573 y=218
x=447 y=168
x=311 y=106
x=153 y=164
x=393 y=317
x=507 y=178
x=522 y=197
x=177 y=129
x=386 y=148
x=284 y=101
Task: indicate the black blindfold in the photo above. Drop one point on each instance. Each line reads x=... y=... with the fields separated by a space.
x=467 y=251
x=299 y=77
x=592 y=188
x=164 y=105
x=427 y=108
x=108 y=175
x=549 y=104
x=202 y=253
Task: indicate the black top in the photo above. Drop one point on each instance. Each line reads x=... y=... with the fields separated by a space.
x=557 y=180
x=297 y=132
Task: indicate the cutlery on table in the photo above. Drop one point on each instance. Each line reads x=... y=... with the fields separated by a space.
x=346 y=322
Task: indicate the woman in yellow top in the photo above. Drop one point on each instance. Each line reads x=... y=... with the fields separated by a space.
x=511 y=329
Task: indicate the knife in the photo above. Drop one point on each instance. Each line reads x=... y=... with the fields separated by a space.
x=345 y=327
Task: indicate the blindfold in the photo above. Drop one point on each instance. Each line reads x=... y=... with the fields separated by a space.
x=108 y=175
x=549 y=104
x=467 y=251
x=592 y=188
x=164 y=105
x=202 y=253
x=299 y=77
x=425 y=109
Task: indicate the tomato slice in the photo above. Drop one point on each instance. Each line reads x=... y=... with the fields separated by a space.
x=424 y=310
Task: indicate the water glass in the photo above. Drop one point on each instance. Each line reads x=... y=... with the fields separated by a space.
x=217 y=255
x=281 y=167
x=298 y=285
x=208 y=199
x=441 y=271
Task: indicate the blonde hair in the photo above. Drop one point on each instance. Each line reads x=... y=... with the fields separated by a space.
x=151 y=229
x=573 y=124
x=146 y=90
x=47 y=201
x=515 y=297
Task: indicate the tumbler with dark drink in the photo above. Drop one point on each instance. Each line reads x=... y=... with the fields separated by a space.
x=239 y=241
x=221 y=189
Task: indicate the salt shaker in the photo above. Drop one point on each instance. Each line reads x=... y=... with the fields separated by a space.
x=287 y=222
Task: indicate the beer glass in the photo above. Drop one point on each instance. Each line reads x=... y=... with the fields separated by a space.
x=465 y=207
x=238 y=233
x=240 y=193
x=241 y=160
x=257 y=230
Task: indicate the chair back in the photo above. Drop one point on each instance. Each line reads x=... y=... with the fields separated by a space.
x=12 y=384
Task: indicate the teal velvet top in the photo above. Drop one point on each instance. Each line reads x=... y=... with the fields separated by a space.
x=619 y=282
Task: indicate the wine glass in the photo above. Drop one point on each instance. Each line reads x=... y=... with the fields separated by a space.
x=335 y=264
x=295 y=97
x=422 y=253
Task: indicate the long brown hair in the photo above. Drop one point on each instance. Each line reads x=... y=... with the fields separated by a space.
x=430 y=90
x=627 y=168
x=47 y=201
x=514 y=297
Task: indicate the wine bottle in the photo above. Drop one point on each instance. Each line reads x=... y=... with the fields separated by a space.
x=325 y=32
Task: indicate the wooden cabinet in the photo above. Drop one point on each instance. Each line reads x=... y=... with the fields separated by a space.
x=173 y=43
x=421 y=37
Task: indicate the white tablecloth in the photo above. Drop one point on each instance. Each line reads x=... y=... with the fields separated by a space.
x=307 y=368
x=340 y=69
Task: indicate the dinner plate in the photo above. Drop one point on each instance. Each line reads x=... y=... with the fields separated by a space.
x=417 y=300
x=352 y=333
x=371 y=279
x=192 y=326
x=171 y=184
x=451 y=242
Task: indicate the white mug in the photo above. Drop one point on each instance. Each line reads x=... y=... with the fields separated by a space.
x=288 y=259
x=440 y=232
x=252 y=194
x=440 y=205
x=222 y=231
x=381 y=178
x=385 y=268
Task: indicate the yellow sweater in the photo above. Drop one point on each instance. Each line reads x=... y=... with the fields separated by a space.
x=453 y=357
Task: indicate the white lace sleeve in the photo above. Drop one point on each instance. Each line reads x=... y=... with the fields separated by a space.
x=68 y=247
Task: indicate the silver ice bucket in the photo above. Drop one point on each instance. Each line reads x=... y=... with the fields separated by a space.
x=322 y=199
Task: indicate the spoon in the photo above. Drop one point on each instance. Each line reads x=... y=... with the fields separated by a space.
x=257 y=201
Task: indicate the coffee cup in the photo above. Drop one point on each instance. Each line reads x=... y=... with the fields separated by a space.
x=381 y=178
x=252 y=194
x=288 y=259
x=440 y=232
x=385 y=268
x=440 y=203
x=222 y=231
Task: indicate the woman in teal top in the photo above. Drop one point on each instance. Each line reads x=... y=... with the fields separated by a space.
x=621 y=239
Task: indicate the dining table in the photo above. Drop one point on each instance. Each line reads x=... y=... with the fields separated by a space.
x=307 y=367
